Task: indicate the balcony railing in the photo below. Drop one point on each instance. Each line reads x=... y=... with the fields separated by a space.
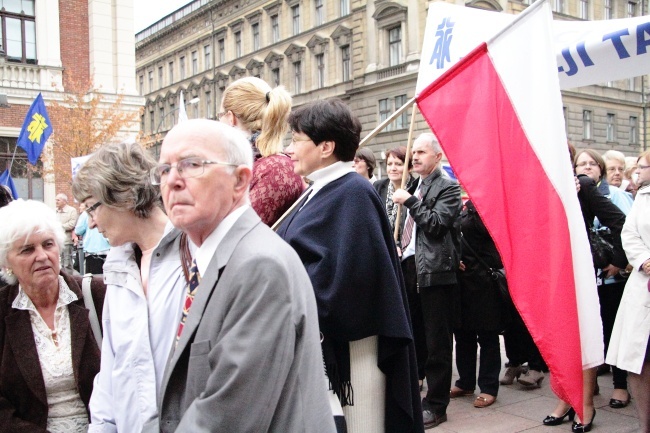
x=391 y=72
x=19 y=75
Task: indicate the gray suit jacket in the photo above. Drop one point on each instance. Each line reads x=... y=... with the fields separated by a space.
x=249 y=357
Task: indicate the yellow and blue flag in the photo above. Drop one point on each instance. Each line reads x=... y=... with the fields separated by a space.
x=36 y=130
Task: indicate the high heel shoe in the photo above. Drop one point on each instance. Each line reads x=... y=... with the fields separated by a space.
x=557 y=420
x=578 y=427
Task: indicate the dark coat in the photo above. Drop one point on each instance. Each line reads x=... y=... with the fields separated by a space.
x=594 y=204
x=23 y=402
x=437 y=239
x=343 y=238
x=381 y=186
x=481 y=305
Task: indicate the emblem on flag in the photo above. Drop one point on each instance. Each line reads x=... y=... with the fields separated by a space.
x=35 y=131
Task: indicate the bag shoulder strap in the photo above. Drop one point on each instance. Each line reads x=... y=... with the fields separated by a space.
x=489 y=268
x=90 y=305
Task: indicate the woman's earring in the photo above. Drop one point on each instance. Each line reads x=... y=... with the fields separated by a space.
x=9 y=272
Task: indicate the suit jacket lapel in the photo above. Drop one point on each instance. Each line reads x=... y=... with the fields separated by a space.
x=243 y=225
x=21 y=338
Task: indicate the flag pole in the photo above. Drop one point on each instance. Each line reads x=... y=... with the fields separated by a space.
x=386 y=122
x=405 y=173
x=11 y=164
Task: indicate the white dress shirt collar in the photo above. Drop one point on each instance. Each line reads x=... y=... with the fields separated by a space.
x=206 y=251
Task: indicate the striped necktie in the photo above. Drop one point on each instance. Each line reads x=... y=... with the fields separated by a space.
x=408 y=226
x=195 y=279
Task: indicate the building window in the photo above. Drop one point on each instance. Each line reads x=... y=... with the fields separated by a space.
x=141 y=85
x=611 y=126
x=208 y=105
x=608 y=15
x=181 y=65
x=171 y=72
x=318 y=18
x=634 y=138
x=255 y=30
x=346 y=62
x=195 y=63
x=237 y=44
x=19 y=31
x=160 y=77
x=631 y=9
x=395 y=46
x=295 y=17
x=152 y=122
x=586 y=124
x=345 y=7
x=207 y=53
x=297 y=77
x=631 y=84
x=222 y=51
x=161 y=114
x=584 y=9
x=385 y=112
x=150 y=81
x=320 y=71
x=275 y=28
x=558 y=6
x=275 y=77
x=400 y=122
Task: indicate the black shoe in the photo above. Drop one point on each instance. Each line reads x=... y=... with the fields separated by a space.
x=619 y=404
x=432 y=420
x=557 y=420
x=583 y=428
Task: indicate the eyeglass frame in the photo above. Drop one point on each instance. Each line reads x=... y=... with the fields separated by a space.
x=204 y=162
x=90 y=210
x=642 y=167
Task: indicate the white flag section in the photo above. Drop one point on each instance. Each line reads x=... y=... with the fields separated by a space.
x=588 y=52
x=182 y=114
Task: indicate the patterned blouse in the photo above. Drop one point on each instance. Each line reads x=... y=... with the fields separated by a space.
x=274 y=186
x=66 y=411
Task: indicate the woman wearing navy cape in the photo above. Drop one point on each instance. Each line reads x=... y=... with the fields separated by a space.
x=341 y=233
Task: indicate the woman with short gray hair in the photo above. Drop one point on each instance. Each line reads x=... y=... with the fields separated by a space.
x=144 y=273
x=48 y=354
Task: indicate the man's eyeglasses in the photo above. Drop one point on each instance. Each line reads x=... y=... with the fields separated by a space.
x=91 y=210
x=186 y=168
x=642 y=167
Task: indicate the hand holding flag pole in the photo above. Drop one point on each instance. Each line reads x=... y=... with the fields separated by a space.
x=405 y=173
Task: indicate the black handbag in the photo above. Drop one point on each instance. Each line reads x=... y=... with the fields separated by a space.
x=497 y=275
x=602 y=246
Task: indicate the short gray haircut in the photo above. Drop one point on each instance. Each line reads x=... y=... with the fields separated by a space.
x=614 y=155
x=430 y=140
x=62 y=197
x=20 y=219
x=117 y=175
x=235 y=146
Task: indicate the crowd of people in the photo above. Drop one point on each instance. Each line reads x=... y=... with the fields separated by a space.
x=249 y=287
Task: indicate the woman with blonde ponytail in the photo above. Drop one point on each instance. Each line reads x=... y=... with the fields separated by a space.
x=250 y=105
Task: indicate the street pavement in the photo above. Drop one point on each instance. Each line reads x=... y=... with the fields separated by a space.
x=522 y=409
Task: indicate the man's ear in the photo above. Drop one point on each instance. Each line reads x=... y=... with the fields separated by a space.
x=327 y=149
x=243 y=176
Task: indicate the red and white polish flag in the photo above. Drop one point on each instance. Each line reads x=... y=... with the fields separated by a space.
x=498 y=117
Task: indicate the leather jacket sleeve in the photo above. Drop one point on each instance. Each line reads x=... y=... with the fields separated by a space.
x=437 y=212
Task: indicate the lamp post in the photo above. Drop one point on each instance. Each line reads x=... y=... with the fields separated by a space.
x=192 y=101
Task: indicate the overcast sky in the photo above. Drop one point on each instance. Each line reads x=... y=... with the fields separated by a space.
x=147 y=12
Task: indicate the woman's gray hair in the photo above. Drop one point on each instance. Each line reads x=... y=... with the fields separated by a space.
x=20 y=219
x=117 y=175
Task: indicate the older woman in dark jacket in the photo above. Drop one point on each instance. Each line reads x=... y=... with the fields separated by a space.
x=48 y=353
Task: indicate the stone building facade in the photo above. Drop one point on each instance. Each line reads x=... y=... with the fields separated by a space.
x=366 y=53
x=45 y=44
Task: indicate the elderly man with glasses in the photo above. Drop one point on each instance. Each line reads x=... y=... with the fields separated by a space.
x=247 y=355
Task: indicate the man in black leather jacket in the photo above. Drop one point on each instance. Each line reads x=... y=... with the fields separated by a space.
x=434 y=253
